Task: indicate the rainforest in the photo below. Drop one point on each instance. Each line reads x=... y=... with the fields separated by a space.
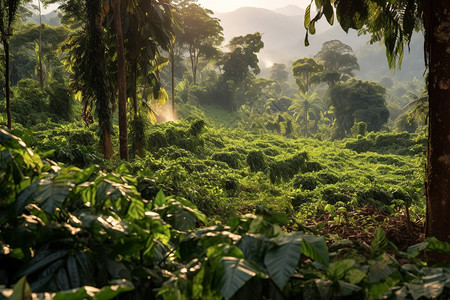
x=157 y=149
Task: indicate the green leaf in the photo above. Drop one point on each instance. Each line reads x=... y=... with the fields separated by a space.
x=51 y=193
x=307 y=18
x=236 y=273
x=347 y=289
x=89 y=292
x=338 y=269
x=110 y=292
x=62 y=279
x=83 y=175
x=25 y=197
x=378 y=289
x=136 y=209
x=281 y=261
x=429 y=290
x=315 y=248
x=355 y=276
x=379 y=243
x=72 y=271
x=160 y=199
x=254 y=246
x=329 y=12
x=414 y=251
x=46 y=275
x=435 y=245
x=41 y=261
x=380 y=271
x=21 y=290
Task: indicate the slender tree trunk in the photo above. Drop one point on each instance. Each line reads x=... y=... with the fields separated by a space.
x=96 y=61
x=122 y=80
x=7 y=83
x=41 y=75
x=172 y=69
x=437 y=41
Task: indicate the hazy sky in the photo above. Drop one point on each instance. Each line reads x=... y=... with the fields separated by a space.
x=230 y=5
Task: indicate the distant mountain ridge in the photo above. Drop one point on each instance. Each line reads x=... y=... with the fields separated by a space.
x=283 y=35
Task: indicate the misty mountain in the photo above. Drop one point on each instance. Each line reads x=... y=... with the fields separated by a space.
x=283 y=35
x=52 y=19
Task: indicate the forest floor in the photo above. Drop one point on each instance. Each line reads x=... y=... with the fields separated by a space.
x=361 y=225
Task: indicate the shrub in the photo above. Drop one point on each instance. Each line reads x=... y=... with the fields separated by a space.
x=305 y=182
x=256 y=161
x=286 y=169
x=327 y=177
x=360 y=145
x=231 y=159
x=375 y=195
x=333 y=194
x=312 y=166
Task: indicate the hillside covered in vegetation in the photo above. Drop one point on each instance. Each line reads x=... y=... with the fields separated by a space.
x=142 y=158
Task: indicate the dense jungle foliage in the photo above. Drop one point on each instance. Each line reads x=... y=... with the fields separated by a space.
x=305 y=185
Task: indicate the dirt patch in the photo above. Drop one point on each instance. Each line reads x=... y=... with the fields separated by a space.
x=361 y=224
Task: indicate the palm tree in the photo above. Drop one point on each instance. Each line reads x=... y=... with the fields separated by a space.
x=306 y=108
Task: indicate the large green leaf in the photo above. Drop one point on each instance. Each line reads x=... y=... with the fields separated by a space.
x=46 y=275
x=42 y=259
x=236 y=273
x=51 y=193
x=25 y=197
x=429 y=290
x=315 y=248
x=281 y=261
x=72 y=272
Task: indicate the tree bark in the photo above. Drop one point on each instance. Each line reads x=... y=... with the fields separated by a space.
x=7 y=83
x=437 y=43
x=172 y=69
x=41 y=74
x=122 y=80
x=96 y=61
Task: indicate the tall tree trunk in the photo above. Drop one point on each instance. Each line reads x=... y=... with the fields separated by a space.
x=41 y=75
x=122 y=80
x=172 y=69
x=96 y=61
x=437 y=41
x=7 y=82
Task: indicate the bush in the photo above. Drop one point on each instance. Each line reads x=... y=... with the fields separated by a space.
x=360 y=145
x=231 y=159
x=333 y=194
x=305 y=182
x=375 y=196
x=286 y=169
x=256 y=160
x=327 y=177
